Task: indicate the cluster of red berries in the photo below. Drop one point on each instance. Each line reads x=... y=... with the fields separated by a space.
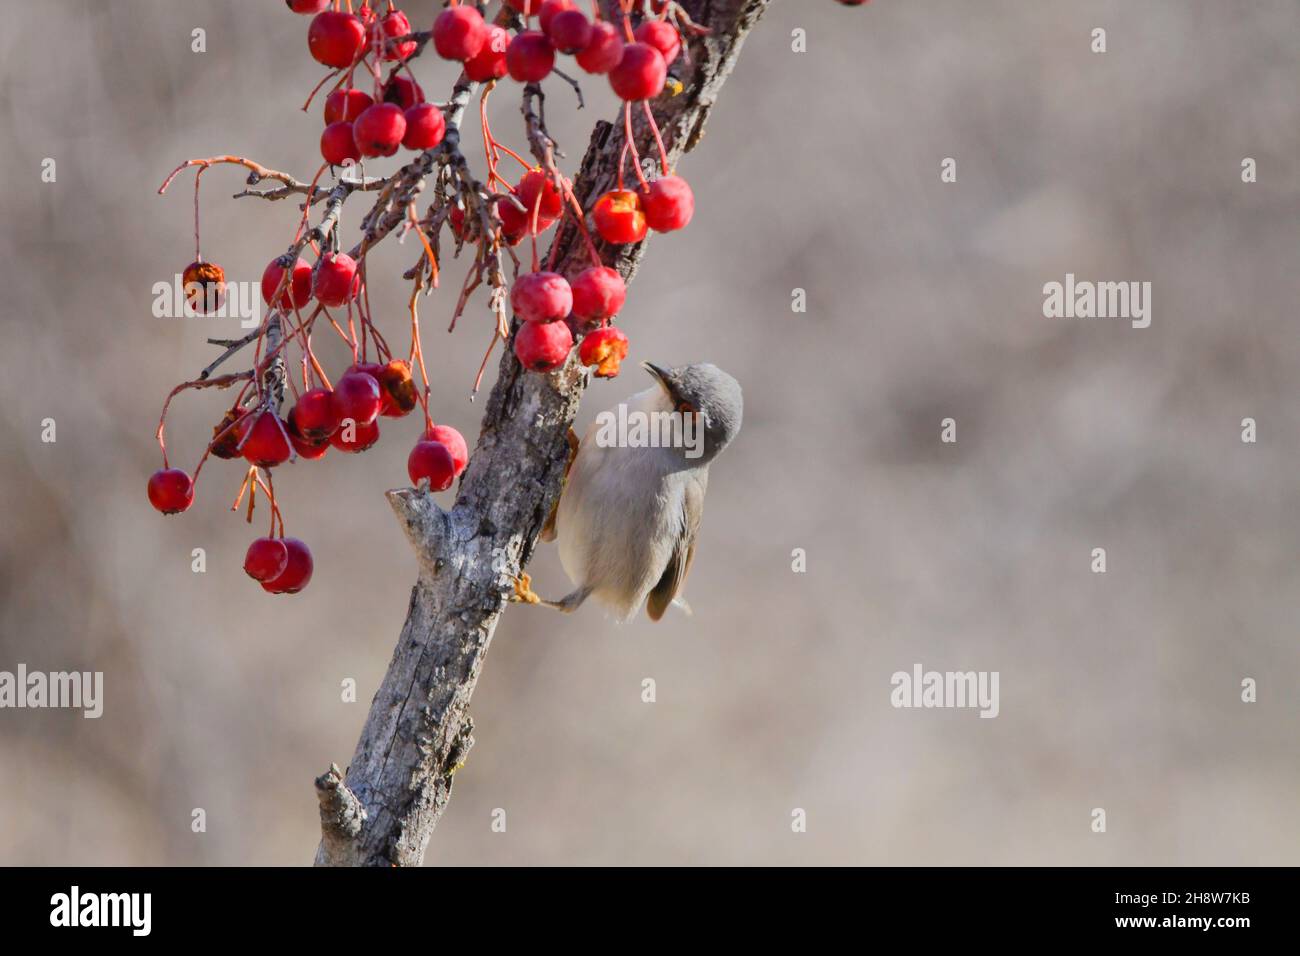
x=345 y=416
x=554 y=309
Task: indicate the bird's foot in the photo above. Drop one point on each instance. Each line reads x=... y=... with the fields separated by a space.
x=524 y=590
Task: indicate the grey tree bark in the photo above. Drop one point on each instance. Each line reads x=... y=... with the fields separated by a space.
x=418 y=732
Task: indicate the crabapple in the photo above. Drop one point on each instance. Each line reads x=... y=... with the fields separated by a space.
x=205 y=286
x=396 y=387
x=335 y=38
x=431 y=460
x=547 y=11
x=297 y=569
x=541 y=297
x=425 y=125
x=569 y=30
x=266 y=559
x=307 y=6
x=543 y=346
x=661 y=35
x=296 y=293
x=337 y=144
x=229 y=432
x=454 y=441
x=603 y=50
x=459 y=33
x=640 y=74
x=527 y=7
x=620 y=217
x=308 y=449
x=314 y=416
x=490 y=61
x=402 y=91
x=598 y=293
x=267 y=443
x=387 y=29
x=379 y=130
x=171 y=491
x=604 y=348
x=345 y=105
x=353 y=437
x=535 y=182
x=669 y=204
x=356 y=396
x=530 y=56
x=335 y=278
x=515 y=221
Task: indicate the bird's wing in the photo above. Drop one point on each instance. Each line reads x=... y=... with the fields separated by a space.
x=548 y=529
x=679 y=563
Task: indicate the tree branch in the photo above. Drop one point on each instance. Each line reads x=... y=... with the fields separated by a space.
x=418 y=729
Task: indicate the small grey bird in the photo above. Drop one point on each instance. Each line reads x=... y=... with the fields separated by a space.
x=629 y=514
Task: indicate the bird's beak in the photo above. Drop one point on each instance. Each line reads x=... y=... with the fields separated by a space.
x=659 y=373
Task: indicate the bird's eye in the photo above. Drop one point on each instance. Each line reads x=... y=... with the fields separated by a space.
x=686 y=408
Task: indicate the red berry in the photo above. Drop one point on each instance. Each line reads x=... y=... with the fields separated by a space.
x=640 y=74
x=603 y=50
x=355 y=438
x=543 y=346
x=570 y=31
x=530 y=56
x=335 y=279
x=535 y=182
x=396 y=388
x=314 y=416
x=604 y=348
x=541 y=297
x=515 y=222
x=598 y=293
x=229 y=432
x=337 y=145
x=527 y=7
x=661 y=35
x=266 y=559
x=296 y=293
x=490 y=61
x=459 y=33
x=345 y=105
x=307 y=448
x=297 y=569
x=171 y=491
x=379 y=130
x=619 y=216
x=307 y=6
x=425 y=125
x=669 y=204
x=336 y=38
x=267 y=443
x=432 y=460
x=402 y=91
x=204 y=284
x=387 y=29
x=453 y=440
x=547 y=11
x=356 y=397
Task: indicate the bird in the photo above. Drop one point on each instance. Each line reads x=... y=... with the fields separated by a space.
x=629 y=514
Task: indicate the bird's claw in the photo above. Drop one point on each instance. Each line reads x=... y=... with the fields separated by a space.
x=524 y=590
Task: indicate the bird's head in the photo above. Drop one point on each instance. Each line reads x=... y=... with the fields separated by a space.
x=710 y=395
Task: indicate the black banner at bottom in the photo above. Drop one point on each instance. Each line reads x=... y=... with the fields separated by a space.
x=211 y=905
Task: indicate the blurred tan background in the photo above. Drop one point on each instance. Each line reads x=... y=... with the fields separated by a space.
x=820 y=171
